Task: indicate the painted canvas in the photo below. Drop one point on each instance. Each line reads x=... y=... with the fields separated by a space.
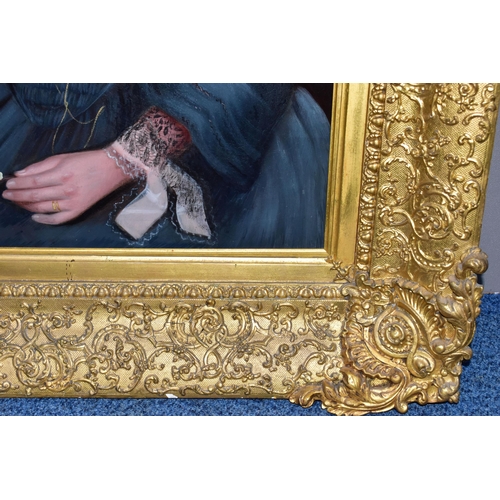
x=164 y=165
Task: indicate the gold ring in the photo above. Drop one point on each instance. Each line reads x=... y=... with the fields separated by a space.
x=55 y=206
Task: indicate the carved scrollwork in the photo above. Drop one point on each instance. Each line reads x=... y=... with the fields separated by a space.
x=431 y=178
x=149 y=347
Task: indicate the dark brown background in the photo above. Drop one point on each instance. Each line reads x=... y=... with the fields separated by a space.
x=323 y=95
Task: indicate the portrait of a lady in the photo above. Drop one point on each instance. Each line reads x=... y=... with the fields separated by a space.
x=162 y=166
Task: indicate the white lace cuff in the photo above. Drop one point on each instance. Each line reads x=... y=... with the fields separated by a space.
x=128 y=164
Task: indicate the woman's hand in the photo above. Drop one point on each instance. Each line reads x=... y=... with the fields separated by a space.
x=62 y=187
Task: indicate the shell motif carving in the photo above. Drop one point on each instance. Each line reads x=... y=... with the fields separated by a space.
x=402 y=344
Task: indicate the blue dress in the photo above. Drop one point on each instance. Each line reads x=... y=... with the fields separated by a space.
x=259 y=152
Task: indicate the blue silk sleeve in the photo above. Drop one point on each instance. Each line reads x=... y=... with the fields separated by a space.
x=230 y=124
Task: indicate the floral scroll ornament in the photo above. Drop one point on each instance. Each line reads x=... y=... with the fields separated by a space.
x=431 y=178
x=163 y=347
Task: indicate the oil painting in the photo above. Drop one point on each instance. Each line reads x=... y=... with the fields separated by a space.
x=164 y=165
x=378 y=316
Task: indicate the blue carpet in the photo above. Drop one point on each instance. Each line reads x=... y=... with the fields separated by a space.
x=480 y=391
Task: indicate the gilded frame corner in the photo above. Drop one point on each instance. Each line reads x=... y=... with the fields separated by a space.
x=381 y=317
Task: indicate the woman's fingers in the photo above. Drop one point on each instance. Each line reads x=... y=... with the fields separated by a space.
x=54 y=219
x=23 y=196
x=52 y=177
x=40 y=167
x=46 y=207
x=35 y=178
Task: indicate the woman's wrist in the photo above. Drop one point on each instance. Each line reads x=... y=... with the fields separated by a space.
x=150 y=143
x=131 y=167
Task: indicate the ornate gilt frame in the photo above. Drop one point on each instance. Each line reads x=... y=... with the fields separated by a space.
x=382 y=316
